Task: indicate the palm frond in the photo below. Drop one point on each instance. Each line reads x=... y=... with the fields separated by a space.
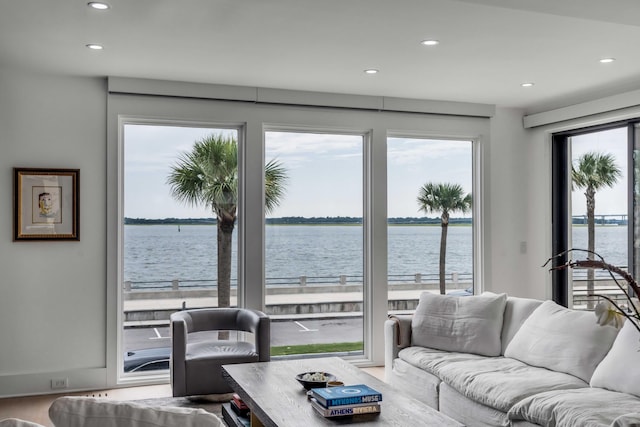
x=275 y=178
x=208 y=174
x=595 y=170
x=443 y=197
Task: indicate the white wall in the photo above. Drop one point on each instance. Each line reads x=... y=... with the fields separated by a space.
x=52 y=294
x=518 y=208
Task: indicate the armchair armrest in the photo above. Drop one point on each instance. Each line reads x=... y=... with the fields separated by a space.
x=179 y=331
x=260 y=325
x=397 y=335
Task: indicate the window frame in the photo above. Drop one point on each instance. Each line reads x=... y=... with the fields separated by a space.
x=477 y=207
x=252 y=118
x=125 y=377
x=367 y=272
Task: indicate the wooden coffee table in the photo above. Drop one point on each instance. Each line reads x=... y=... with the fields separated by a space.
x=276 y=399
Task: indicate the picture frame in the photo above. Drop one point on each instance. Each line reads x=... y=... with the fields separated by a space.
x=46 y=204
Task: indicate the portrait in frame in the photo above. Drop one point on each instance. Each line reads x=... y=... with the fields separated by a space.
x=46 y=205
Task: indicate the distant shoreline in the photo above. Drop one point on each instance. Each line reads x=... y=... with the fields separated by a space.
x=299 y=221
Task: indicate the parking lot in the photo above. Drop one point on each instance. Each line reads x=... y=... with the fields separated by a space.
x=283 y=333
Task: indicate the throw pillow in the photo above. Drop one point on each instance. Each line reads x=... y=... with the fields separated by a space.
x=620 y=370
x=516 y=312
x=563 y=340
x=467 y=324
x=74 y=411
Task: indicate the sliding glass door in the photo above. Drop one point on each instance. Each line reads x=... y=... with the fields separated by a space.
x=595 y=191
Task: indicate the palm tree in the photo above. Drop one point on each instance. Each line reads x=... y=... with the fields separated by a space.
x=594 y=172
x=445 y=198
x=208 y=176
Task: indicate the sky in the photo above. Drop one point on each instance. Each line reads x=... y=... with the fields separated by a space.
x=325 y=171
x=149 y=153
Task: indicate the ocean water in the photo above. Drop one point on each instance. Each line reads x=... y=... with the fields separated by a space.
x=157 y=254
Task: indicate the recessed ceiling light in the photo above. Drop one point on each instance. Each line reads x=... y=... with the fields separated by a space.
x=95 y=46
x=98 y=5
x=429 y=42
x=527 y=84
x=371 y=71
x=607 y=60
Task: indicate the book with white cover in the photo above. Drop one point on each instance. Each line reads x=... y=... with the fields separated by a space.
x=343 y=410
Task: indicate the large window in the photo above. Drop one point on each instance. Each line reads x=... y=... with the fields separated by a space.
x=314 y=265
x=593 y=191
x=176 y=252
x=320 y=260
x=430 y=232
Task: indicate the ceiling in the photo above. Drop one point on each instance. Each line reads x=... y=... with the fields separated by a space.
x=487 y=49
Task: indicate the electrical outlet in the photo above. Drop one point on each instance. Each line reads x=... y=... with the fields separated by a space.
x=523 y=247
x=58 y=383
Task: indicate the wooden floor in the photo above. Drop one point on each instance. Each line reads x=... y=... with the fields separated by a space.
x=36 y=408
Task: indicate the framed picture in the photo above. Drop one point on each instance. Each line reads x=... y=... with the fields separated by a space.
x=45 y=204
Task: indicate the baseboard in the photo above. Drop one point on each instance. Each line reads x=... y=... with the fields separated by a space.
x=52 y=382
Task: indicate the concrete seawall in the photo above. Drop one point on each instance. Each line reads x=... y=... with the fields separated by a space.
x=143 y=308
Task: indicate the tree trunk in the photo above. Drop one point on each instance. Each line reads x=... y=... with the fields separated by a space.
x=591 y=243
x=443 y=252
x=225 y=236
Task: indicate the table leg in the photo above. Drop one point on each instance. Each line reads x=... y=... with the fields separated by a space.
x=255 y=422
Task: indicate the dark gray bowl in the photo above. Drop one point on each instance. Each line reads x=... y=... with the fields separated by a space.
x=315 y=384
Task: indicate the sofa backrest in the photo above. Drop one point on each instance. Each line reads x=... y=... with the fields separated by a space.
x=78 y=411
x=516 y=311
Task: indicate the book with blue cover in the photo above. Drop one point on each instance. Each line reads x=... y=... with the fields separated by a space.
x=346 y=395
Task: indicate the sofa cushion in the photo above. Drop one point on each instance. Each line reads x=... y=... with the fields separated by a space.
x=469 y=324
x=469 y=412
x=620 y=369
x=516 y=311
x=562 y=340
x=501 y=382
x=416 y=382
x=222 y=351
x=74 y=411
x=432 y=360
x=587 y=407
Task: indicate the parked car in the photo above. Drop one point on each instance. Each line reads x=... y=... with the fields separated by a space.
x=462 y=292
x=147 y=359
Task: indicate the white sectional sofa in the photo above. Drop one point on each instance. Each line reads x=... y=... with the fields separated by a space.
x=493 y=360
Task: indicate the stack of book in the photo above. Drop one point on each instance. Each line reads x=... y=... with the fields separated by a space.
x=238 y=406
x=345 y=400
x=236 y=412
